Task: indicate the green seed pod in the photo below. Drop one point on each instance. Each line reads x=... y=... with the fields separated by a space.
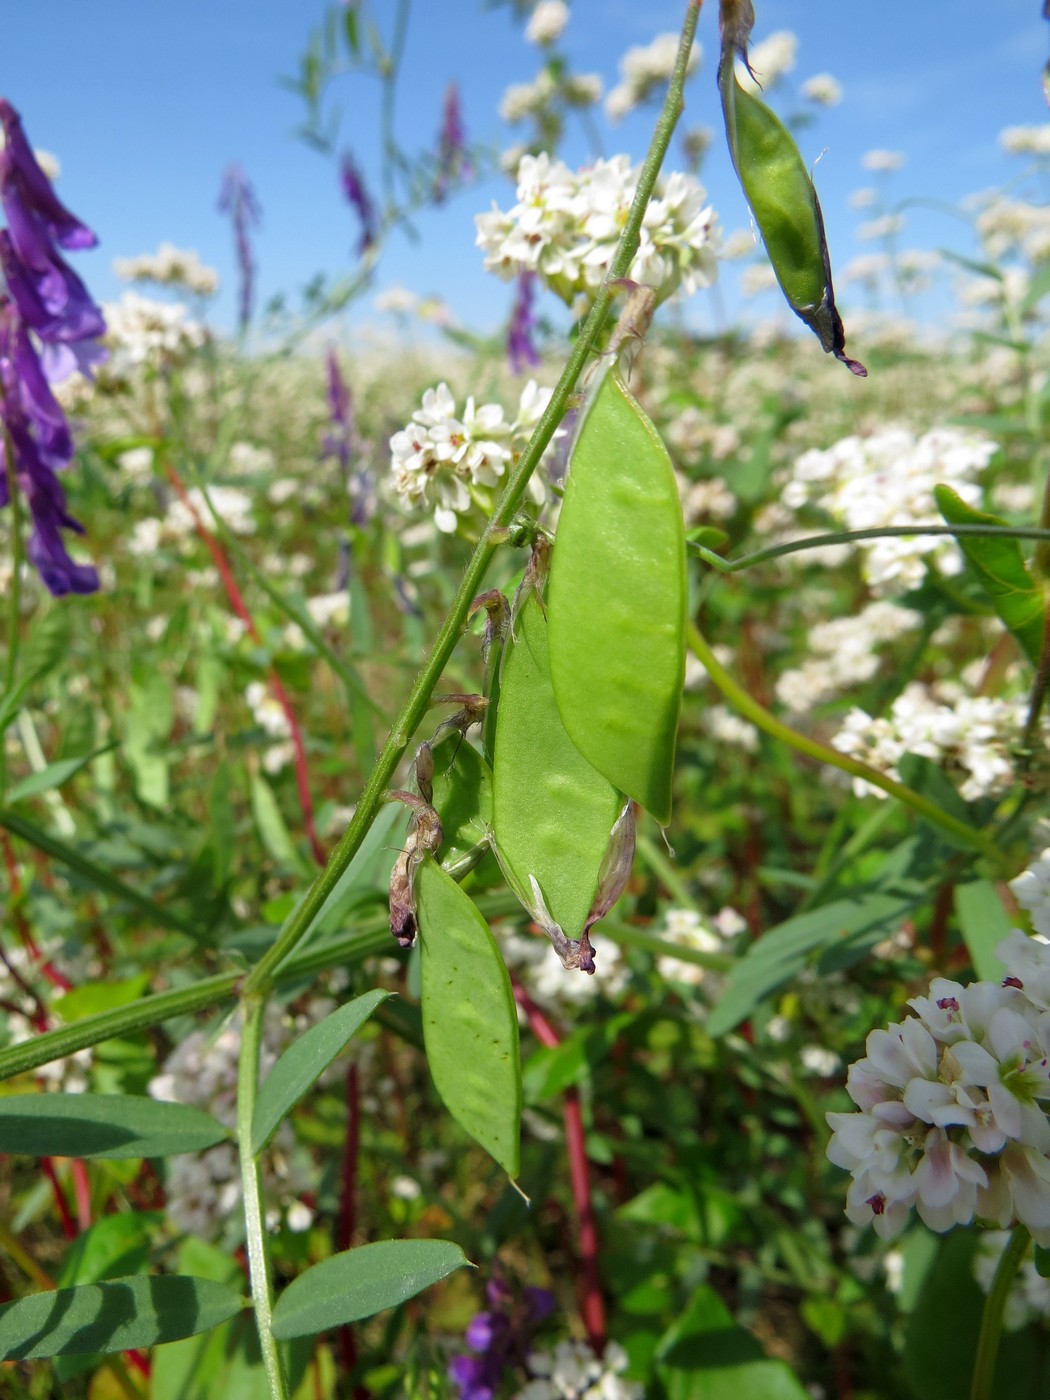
x=785 y=206
x=462 y=797
x=616 y=602
x=552 y=811
x=470 y=1025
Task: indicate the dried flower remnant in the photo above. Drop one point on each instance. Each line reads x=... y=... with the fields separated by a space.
x=952 y=1118
x=49 y=326
x=357 y=196
x=565 y=227
x=237 y=198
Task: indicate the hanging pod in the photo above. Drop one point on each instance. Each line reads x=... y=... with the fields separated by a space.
x=470 y=1025
x=616 y=601
x=783 y=201
x=553 y=813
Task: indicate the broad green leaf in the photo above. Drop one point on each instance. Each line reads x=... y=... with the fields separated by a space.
x=304 y=1061
x=999 y=565
x=139 y=1311
x=103 y=1125
x=53 y=776
x=361 y=1282
x=470 y=1024
x=984 y=923
x=784 y=951
x=114 y=1246
x=704 y=1355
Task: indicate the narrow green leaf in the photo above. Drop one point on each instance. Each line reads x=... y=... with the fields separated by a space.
x=103 y=1125
x=470 y=1024
x=48 y=643
x=53 y=776
x=784 y=951
x=129 y=1312
x=304 y=1061
x=271 y=825
x=984 y=923
x=361 y=1282
x=999 y=565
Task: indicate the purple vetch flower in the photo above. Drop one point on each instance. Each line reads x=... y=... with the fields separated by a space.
x=49 y=325
x=340 y=443
x=500 y=1338
x=520 y=349
x=359 y=199
x=237 y=198
x=453 y=160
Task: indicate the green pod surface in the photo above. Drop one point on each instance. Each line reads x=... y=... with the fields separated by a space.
x=786 y=209
x=552 y=811
x=470 y=1025
x=616 y=600
x=462 y=796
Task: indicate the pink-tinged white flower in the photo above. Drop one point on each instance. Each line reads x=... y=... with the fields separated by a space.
x=952 y=1116
x=1031 y=889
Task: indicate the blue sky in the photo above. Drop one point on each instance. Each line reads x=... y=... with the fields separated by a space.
x=146 y=103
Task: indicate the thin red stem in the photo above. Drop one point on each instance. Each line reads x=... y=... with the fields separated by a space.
x=592 y=1305
x=236 y=598
x=69 y=1225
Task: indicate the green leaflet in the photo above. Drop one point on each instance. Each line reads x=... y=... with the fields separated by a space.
x=552 y=810
x=470 y=1025
x=617 y=600
x=785 y=206
x=999 y=565
x=103 y=1125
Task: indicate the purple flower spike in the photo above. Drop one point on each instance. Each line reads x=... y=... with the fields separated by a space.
x=23 y=185
x=237 y=198
x=499 y=1338
x=520 y=349
x=453 y=158
x=48 y=326
x=359 y=199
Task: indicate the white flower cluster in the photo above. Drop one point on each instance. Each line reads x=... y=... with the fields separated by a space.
x=170 y=267
x=1012 y=227
x=235 y=508
x=882 y=162
x=269 y=715
x=1031 y=889
x=547 y=22
x=950 y=1117
x=971 y=734
x=565 y=227
x=822 y=89
x=140 y=331
x=21 y=971
x=1026 y=140
x=769 y=61
x=541 y=971
x=685 y=927
x=645 y=68
x=843 y=653
x=203 y=1189
x=867 y=483
x=449 y=462
x=572 y=1372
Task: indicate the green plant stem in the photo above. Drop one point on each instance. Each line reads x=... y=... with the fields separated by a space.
x=992 y=1317
x=251 y=1186
x=448 y=637
x=884 y=532
x=759 y=716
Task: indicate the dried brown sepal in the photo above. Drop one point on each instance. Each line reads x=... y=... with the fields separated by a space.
x=497 y=619
x=736 y=20
x=631 y=329
x=472 y=711
x=534 y=578
x=424 y=766
x=424 y=838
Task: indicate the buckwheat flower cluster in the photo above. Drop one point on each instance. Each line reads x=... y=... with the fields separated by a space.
x=886 y=479
x=49 y=326
x=643 y=70
x=843 y=652
x=1026 y=140
x=822 y=89
x=170 y=267
x=565 y=227
x=572 y=1372
x=547 y=22
x=970 y=735
x=450 y=461
x=142 y=332
x=951 y=1101
x=202 y=1189
x=686 y=928
x=1031 y=889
